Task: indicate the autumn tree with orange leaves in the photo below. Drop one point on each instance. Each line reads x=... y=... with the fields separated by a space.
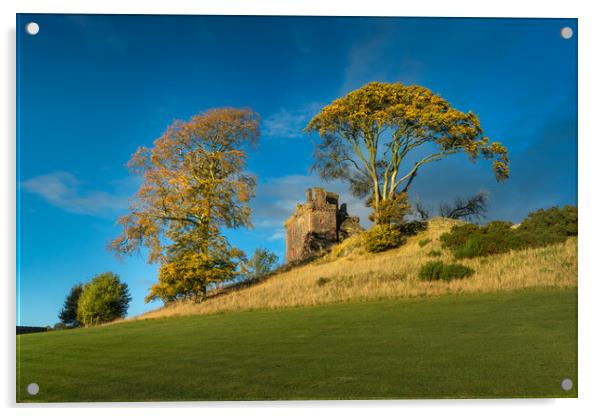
x=193 y=185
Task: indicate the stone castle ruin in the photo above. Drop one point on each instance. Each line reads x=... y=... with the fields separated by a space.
x=318 y=224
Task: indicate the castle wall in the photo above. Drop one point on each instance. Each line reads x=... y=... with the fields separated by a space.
x=317 y=224
x=316 y=220
x=296 y=229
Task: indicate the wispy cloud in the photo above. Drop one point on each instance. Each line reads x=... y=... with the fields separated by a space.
x=379 y=58
x=64 y=190
x=100 y=34
x=277 y=235
x=289 y=123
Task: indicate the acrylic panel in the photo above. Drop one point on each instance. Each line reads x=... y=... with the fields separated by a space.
x=295 y=208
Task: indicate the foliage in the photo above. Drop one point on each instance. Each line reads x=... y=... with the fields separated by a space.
x=471 y=208
x=540 y=228
x=411 y=228
x=68 y=315
x=260 y=264
x=367 y=134
x=550 y=226
x=424 y=242
x=188 y=273
x=437 y=270
x=383 y=237
x=468 y=241
x=390 y=211
x=322 y=281
x=194 y=184
x=434 y=253
x=104 y=299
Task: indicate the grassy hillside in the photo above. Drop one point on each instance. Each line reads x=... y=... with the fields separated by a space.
x=349 y=274
x=504 y=344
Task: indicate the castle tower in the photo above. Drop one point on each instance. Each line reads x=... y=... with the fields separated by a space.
x=315 y=225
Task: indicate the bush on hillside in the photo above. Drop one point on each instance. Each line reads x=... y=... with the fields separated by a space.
x=437 y=270
x=391 y=211
x=383 y=237
x=322 y=281
x=424 y=242
x=540 y=228
x=544 y=227
x=411 y=228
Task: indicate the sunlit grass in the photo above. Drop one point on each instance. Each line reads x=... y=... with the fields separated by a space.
x=349 y=274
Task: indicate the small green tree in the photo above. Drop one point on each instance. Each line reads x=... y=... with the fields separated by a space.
x=260 y=264
x=103 y=299
x=68 y=315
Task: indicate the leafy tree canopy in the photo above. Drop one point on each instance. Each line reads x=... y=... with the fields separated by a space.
x=193 y=184
x=68 y=315
x=367 y=134
x=104 y=299
x=260 y=264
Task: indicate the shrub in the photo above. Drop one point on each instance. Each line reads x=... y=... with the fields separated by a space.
x=458 y=235
x=424 y=242
x=544 y=227
x=540 y=228
x=434 y=253
x=437 y=270
x=322 y=281
x=104 y=299
x=411 y=228
x=391 y=211
x=468 y=241
x=383 y=237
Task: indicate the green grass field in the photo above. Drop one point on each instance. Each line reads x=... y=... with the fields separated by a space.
x=506 y=344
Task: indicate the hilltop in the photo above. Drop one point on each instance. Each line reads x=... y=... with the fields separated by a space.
x=347 y=273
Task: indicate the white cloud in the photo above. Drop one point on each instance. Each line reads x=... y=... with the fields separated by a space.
x=277 y=235
x=64 y=190
x=287 y=123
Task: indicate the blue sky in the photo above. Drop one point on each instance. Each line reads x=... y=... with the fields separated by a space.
x=92 y=88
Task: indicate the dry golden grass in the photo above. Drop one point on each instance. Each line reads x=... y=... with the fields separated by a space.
x=354 y=275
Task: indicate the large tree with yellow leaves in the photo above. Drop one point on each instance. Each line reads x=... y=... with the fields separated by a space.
x=371 y=137
x=193 y=185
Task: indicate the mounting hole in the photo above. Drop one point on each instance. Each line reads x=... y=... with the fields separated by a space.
x=33 y=389
x=32 y=28
x=566 y=384
x=566 y=32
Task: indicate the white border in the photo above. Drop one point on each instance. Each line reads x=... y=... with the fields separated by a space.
x=590 y=154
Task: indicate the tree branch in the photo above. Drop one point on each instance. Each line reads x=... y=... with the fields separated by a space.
x=431 y=158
